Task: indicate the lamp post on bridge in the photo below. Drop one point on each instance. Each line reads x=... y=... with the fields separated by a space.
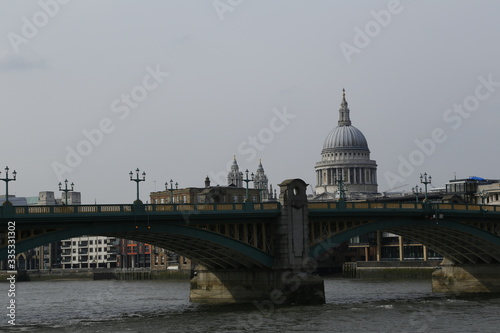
x=137 y=180
x=7 y=180
x=342 y=188
x=483 y=195
x=171 y=189
x=416 y=190
x=66 y=189
x=247 y=180
x=425 y=180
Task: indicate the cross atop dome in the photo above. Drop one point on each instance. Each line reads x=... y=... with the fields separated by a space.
x=344 y=117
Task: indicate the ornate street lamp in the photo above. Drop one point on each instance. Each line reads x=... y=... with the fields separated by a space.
x=137 y=180
x=416 y=190
x=425 y=180
x=483 y=195
x=66 y=189
x=342 y=189
x=171 y=189
x=247 y=180
x=7 y=180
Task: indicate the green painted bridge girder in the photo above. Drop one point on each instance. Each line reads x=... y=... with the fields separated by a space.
x=135 y=231
x=318 y=249
x=175 y=220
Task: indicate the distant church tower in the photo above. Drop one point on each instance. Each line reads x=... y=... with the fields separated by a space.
x=260 y=182
x=345 y=156
x=235 y=177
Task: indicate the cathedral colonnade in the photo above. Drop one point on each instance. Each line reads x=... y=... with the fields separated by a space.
x=353 y=175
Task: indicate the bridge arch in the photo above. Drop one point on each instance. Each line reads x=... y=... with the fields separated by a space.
x=460 y=243
x=212 y=250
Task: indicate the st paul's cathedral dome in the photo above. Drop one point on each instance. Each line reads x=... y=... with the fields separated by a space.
x=345 y=158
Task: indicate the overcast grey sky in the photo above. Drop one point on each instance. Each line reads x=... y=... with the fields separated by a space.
x=176 y=88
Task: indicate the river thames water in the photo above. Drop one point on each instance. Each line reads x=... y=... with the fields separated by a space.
x=352 y=305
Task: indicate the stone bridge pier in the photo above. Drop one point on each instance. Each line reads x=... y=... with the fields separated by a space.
x=289 y=281
x=470 y=278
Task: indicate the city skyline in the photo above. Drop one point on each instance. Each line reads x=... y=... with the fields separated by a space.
x=177 y=89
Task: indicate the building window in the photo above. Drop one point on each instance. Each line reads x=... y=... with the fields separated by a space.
x=413 y=252
x=390 y=253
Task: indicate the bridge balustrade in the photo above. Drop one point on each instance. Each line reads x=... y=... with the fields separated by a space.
x=83 y=209
x=364 y=205
x=87 y=209
x=401 y=205
x=209 y=207
x=266 y=206
x=193 y=207
x=469 y=207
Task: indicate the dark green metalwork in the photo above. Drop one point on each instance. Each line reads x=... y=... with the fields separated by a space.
x=323 y=246
x=131 y=230
x=176 y=224
x=425 y=180
x=171 y=189
x=247 y=180
x=137 y=180
x=66 y=189
x=7 y=180
x=342 y=189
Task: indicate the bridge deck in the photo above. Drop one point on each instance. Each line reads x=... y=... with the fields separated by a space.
x=314 y=207
x=466 y=233
x=155 y=208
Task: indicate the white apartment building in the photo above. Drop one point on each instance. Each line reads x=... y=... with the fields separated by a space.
x=89 y=252
x=78 y=252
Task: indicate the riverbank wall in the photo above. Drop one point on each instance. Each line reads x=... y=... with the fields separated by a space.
x=390 y=269
x=96 y=274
